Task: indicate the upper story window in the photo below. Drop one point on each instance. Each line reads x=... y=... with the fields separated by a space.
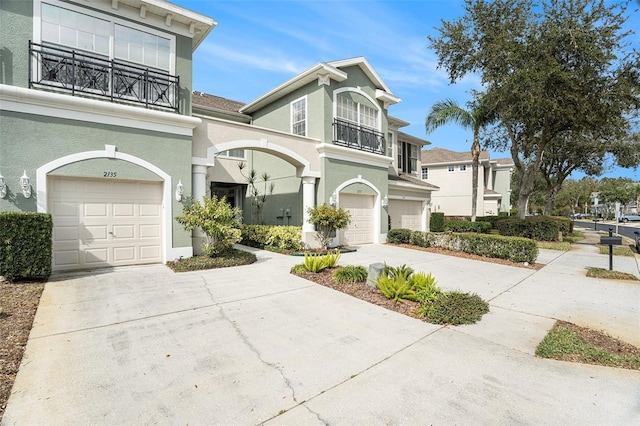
x=358 y=113
x=462 y=167
x=93 y=34
x=425 y=173
x=86 y=53
x=299 y=117
x=407 y=157
x=451 y=168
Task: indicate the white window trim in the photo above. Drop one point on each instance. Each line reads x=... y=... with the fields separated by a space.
x=462 y=168
x=451 y=168
x=422 y=173
x=37 y=29
x=363 y=93
x=306 y=115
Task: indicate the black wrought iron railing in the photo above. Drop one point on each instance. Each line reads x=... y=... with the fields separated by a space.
x=85 y=74
x=354 y=136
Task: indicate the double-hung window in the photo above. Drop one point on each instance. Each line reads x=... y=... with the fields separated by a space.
x=299 y=117
x=425 y=173
x=407 y=157
x=462 y=167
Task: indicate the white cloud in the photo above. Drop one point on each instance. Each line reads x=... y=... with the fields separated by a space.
x=261 y=58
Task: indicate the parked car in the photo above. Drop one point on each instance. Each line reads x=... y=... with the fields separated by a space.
x=629 y=218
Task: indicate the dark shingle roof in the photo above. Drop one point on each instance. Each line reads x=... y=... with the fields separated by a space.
x=412 y=180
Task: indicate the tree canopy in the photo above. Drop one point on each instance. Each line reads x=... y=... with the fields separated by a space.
x=559 y=78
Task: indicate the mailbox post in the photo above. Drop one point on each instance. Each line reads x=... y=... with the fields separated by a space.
x=595 y=224
x=611 y=241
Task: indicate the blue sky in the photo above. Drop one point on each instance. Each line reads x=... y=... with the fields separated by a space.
x=258 y=45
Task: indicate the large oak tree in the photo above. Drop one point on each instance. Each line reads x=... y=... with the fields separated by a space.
x=556 y=73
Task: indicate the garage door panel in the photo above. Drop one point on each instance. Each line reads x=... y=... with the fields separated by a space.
x=123 y=210
x=66 y=257
x=406 y=214
x=149 y=231
x=102 y=223
x=65 y=233
x=100 y=255
x=124 y=254
x=123 y=231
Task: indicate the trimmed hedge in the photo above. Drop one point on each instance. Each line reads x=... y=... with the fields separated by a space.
x=279 y=236
x=515 y=249
x=25 y=245
x=437 y=222
x=465 y=226
x=539 y=228
x=399 y=236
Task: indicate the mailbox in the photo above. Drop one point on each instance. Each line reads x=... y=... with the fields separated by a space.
x=611 y=241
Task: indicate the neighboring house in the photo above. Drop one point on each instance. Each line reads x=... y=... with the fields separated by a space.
x=323 y=136
x=452 y=172
x=95 y=110
x=101 y=128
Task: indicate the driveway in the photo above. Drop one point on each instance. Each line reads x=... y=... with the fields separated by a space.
x=254 y=344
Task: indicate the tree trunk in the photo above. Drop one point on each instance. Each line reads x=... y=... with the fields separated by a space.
x=526 y=189
x=475 y=154
x=551 y=200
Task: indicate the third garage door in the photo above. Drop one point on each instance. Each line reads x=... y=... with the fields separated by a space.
x=406 y=214
x=360 y=230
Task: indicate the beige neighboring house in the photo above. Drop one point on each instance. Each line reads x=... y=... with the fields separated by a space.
x=451 y=172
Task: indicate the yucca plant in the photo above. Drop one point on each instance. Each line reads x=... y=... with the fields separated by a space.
x=425 y=286
x=403 y=271
x=315 y=262
x=331 y=259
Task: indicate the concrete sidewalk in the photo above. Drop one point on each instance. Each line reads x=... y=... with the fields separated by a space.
x=254 y=344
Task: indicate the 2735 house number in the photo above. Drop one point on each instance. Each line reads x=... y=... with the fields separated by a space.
x=109 y=174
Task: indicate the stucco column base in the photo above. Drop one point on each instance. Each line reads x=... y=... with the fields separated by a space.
x=309 y=239
x=197 y=239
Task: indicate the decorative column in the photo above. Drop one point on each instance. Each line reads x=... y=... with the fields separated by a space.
x=198 y=192
x=308 y=201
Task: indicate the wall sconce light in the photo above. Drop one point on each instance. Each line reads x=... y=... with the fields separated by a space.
x=179 y=190
x=25 y=184
x=3 y=187
x=385 y=201
x=332 y=199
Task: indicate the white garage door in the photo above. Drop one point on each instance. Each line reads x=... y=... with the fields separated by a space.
x=406 y=214
x=98 y=223
x=360 y=230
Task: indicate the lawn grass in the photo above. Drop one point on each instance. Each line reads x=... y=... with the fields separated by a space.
x=554 y=245
x=233 y=257
x=617 y=250
x=567 y=342
x=574 y=237
x=610 y=275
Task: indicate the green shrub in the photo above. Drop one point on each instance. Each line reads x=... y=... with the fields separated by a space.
x=286 y=238
x=454 y=308
x=229 y=258
x=218 y=220
x=319 y=262
x=25 y=245
x=539 y=228
x=437 y=222
x=465 y=226
x=350 y=274
x=395 y=287
x=403 y=271
x=399 y=236
x=515 y=249
x=425 y=286
x=327 y=221
x=298 y=269
x=492 y=219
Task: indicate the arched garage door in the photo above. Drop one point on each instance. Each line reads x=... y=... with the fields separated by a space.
x=360 y=230
x=99 y=223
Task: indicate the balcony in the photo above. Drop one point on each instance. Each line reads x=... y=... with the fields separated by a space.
x=84 y=74
x=353 y=136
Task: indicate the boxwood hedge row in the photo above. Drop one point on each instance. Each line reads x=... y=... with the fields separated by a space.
x=516 y=249
x=25 y=245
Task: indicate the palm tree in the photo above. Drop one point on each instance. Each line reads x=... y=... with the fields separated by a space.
x=476 y=118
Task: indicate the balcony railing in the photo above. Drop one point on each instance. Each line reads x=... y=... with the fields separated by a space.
x=353 y=136
x=84 y=74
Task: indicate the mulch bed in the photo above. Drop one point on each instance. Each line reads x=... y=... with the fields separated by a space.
x=18 y=305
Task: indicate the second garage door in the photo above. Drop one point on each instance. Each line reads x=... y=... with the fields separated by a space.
x=98 y=223
x=360 y=230
x=406 y=214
